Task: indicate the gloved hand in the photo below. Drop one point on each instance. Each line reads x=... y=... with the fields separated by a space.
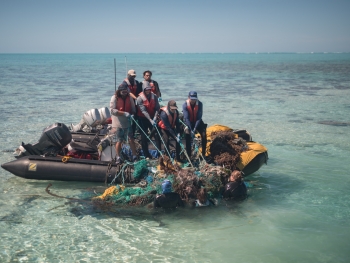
x=153 y=123
x=160 y=99
x=178 y=138
x=127 y=114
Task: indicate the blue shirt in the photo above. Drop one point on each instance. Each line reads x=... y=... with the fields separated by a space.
x=192 y=125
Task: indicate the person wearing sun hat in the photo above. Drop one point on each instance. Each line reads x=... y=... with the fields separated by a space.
x=193 y=111
x=169 y=125
x=148 y=110
x=122 y=106
x=167 y=199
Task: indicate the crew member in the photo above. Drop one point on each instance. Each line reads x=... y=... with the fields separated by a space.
x=148 y=110
x=235 y=188
x=133 y=85
x=147 y=75
x=169 y=125
x=167 y=199
x=192 y=112
x=134 y=88
x=122 y=106
x=202 y=199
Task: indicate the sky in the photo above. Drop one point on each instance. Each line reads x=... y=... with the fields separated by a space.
x=165 y=26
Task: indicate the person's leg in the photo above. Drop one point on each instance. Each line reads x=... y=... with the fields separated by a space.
x=202 y=129
x=188 y=141
x=157 y=138
x=118 y=146
x=133 y=125
x=144 y=139
x=165 y=136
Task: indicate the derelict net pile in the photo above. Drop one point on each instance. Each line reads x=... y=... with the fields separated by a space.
x=149 y=175
x=226 y=148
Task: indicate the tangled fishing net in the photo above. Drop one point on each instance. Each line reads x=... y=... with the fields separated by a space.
x=225 y=150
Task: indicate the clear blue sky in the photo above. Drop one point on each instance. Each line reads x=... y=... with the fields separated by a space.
x=133 y=26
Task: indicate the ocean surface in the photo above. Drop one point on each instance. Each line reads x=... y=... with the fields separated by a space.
x=298 y=209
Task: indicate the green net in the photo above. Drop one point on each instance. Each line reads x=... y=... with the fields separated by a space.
x=187 y=181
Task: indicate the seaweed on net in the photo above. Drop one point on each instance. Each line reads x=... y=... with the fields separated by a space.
x=186 y=184
x=226 y=148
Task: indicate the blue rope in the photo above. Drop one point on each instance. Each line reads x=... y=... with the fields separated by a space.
x=172 y=161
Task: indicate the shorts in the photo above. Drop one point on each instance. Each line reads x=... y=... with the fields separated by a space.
x=121 y=135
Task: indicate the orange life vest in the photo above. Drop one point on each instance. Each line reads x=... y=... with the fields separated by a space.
x=124 y=105
x=172 y=120
x=132 y=88
x=149 y=105
x=192 y=112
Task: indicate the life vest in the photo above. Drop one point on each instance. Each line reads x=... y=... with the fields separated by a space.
x=149 y=105
x=192 y=112
x=132 y=88
x=172 y=120
x=124 y=105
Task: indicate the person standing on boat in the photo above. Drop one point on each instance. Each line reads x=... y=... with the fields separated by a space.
x=148 y=110
x=134 y=89
x=122 y=106
x=133 y=85
x=169 y=125
x=147 y=75
x=192 y=111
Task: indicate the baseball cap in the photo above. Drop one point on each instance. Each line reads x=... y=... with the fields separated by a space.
x=193 y=95
x=172 y=104
x=132 y=72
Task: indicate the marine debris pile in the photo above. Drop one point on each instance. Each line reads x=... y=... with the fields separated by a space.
x=187 y=181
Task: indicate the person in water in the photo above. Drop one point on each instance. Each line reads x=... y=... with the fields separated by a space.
x=235 y=187
x=148 y=110
x=169 y=125
x=147 y=76
x=192 y=111
x=122 y=106
x=202 y=199
x=168 y=199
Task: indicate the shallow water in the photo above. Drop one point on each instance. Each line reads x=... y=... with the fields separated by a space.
x=298 y=209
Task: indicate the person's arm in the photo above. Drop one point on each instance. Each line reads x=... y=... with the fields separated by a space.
x=199 y=114
x=177 y=123
x=133 y=107
x=159 y=94
x=186 y=115
x=157 y=108
x=180 y=202
x=156 y=203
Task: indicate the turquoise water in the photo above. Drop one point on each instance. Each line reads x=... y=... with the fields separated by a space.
x=298 y=209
